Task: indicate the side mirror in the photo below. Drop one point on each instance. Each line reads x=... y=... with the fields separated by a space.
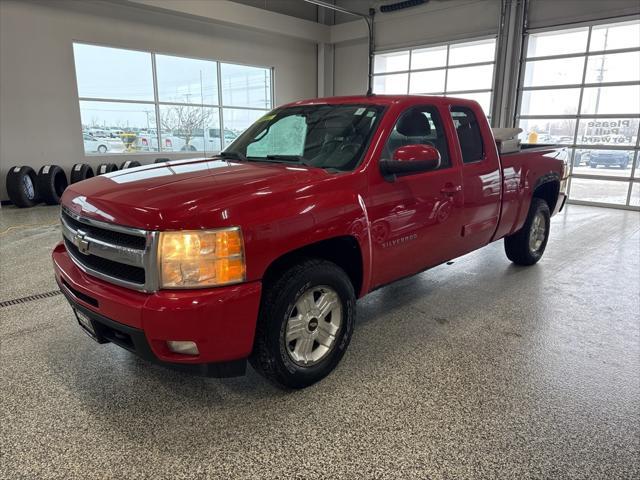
x=411 y=159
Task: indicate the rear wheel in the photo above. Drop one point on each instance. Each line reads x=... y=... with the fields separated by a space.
x=526 y=246
x=305 y=324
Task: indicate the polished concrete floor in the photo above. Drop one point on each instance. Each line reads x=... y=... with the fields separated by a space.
x=478 y=369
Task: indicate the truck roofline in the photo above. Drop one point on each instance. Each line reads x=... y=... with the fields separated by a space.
x=385 y=100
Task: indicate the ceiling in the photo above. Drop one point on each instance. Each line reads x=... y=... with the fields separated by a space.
x=307 y=11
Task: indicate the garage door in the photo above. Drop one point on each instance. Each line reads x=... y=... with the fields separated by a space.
x=581 y=87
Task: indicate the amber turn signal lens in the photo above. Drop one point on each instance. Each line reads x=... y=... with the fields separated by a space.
x=201 y=258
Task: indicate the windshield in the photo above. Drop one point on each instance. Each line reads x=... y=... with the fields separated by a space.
x=325 y=136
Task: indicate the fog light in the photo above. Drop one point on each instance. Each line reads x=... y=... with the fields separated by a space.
x=185 y=348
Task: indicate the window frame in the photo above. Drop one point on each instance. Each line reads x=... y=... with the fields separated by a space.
x=438 y=112
x=157 y=104
x=382 y=110
x=633 y=177
x=446 y=67
x=482 y=139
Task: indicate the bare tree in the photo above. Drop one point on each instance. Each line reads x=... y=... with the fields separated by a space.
x=185 y=121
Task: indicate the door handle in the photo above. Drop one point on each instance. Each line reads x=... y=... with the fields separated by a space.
x=451 y=189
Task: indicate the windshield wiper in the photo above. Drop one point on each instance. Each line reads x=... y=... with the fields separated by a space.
x=233 y=155
x=290 y=158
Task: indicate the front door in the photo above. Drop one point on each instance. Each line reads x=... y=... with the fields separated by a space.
x=416 y=219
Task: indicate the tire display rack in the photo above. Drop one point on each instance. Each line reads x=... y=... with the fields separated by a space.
x=27 y=188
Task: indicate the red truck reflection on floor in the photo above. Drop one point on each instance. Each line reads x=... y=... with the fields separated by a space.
x=261 y=252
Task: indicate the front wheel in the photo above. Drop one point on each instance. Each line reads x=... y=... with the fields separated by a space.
x=526 y=246
x=305 y=324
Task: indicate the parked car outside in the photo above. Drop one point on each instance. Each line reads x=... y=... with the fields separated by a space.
x=609 y=158
x=102 y=145
x=210 y=142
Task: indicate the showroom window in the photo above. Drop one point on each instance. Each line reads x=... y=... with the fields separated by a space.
x=135 y=102
x=463 y=70
x=581 y=88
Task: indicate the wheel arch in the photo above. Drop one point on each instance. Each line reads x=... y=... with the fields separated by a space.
x=548 y=189
x=343 y=250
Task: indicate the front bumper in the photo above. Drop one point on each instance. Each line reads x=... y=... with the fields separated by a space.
x=220 y=320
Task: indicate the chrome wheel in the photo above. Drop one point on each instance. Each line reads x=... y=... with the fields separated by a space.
x=538 y=232
x=314 y=321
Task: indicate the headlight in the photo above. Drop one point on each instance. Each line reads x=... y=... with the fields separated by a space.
x=201 y=258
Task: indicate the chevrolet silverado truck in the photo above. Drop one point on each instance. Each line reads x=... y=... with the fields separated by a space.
x=259 y=253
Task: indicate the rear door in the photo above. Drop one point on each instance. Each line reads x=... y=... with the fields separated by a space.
x=416 y=219
x=481 y=177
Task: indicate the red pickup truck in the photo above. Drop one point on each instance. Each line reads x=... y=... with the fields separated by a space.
x=260 y=252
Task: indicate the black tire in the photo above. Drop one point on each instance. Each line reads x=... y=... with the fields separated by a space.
x=81 y=171
x=270 y=356
x=52 y=182
x=161 y=160
x=593 y=165
x=518 y=246
x=102 y=149
x=129 y=164
x=106 y=168
x=22 y=186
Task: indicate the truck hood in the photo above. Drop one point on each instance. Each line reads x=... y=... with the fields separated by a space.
x=185 y=194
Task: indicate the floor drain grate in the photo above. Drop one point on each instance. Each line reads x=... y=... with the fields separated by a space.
x=30 y=298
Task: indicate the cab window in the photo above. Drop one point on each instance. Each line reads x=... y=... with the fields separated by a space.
x=419 y=126
x=469 y=135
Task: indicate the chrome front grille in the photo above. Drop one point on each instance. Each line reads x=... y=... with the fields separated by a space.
x=121 y=255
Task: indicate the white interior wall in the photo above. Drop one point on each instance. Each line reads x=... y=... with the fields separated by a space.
x=39 y=110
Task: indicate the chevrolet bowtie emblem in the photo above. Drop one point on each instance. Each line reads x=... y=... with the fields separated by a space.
x=81 y=242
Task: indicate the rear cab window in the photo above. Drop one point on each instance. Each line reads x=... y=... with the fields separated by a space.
x=469 y=135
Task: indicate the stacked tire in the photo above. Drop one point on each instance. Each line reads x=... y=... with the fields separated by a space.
x=22 y=186
x=106 y=168
x=81 y=171
x=27 y=188
x=51 y=184
x=129 y=164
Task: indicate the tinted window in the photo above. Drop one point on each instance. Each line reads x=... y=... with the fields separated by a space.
x=419 y=126
x=469 y=134
x=326 y=136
